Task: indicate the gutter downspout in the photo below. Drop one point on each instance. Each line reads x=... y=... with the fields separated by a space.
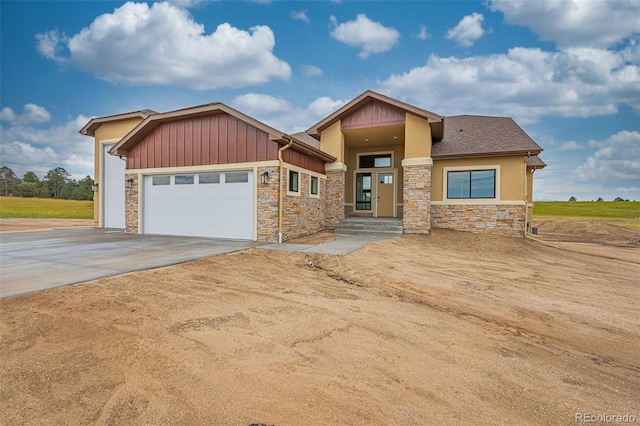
x=527 y=219
x=280 y=200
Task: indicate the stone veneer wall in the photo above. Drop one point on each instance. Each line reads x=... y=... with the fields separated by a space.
x=268 y=205
x=131 y=205
x=416 y=211
x=335 y=186
x=507 y=219
x=303 y=214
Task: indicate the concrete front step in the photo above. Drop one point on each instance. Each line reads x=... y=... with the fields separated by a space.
x=369 y=225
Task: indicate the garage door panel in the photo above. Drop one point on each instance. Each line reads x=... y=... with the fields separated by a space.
x=223 y=210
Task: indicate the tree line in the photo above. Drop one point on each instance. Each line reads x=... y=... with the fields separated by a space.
x=57 y=183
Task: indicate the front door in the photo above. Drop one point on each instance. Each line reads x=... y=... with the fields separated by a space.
x=385 y=194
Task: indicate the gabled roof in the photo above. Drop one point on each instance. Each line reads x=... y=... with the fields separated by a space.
x=535 y=162
x=435 y=120
x=90 y=128
x=480 y=136
x=152 y=121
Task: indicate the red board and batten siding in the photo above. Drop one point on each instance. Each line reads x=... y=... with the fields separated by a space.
x=373 y=114
x=216 y=139
x=302 y=160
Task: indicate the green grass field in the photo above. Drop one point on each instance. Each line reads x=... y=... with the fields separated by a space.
x=619 y=213
x=18 y=207
x=609 y=209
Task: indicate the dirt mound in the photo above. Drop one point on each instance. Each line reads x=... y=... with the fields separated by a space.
x=586 y=231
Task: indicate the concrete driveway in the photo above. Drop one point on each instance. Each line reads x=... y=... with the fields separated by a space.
x=31 y=261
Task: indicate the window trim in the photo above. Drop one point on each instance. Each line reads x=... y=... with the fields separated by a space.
x=470 y=168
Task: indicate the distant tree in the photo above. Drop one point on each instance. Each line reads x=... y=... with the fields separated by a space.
x=7 y=180
x=56 y=178
x=83 y=189
x=600 y=199
x=572 y=199
x=30 y=177
x=30 y=185
x=619 y=199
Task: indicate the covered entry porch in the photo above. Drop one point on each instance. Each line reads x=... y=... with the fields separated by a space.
x=383 y=160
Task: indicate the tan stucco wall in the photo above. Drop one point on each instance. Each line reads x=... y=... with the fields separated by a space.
x=352 y=154
x=417 y=137
x=332 y=141
x=106 y=131
x=512 y=178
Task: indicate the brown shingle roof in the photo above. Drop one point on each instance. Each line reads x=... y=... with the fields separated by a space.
x=308 y=139
x=475 y=135
x=536 y=162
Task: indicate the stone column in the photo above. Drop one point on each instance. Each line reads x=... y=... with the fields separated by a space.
x=131 y=204
x=336 y=175
x=268 y=204
x=416 y=187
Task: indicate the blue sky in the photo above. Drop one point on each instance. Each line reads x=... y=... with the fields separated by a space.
x=567 y=71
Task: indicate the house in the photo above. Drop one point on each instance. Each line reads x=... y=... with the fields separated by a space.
x=213 y=171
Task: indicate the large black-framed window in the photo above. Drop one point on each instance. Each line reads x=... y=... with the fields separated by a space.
x=471 y=184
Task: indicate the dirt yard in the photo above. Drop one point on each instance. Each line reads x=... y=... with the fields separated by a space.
x=450 y=328
x=22 y=225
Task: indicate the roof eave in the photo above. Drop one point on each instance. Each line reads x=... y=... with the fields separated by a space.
x=486 y=154
x=370 y=94
x=90 y=128
x=153 y=121
x=307 y=149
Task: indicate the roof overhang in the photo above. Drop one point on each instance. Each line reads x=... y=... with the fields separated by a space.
x=486 y=154
x=535 y=163
x=90 y=128
x=152 y=121
x=436 y=122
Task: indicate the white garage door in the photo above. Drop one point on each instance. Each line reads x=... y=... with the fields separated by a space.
x=112 y=187
x=202 y=204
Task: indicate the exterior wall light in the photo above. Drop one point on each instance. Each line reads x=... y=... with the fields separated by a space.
x=128 y=182
x=94 y=187
x=265 y=177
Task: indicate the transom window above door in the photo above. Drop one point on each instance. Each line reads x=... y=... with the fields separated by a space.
x=374 y=161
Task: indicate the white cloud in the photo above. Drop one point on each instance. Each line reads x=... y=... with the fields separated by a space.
x=258 y=104
x=574 y=22
x=423 y=34
x=617 y=158
x=187 y=3
x=300 y=16
x=570 y=146
x=163 y=45
x=525 y=83
x=28 y=148
x=280 y=114
x=33 y=114
x=7 y=114
x=468 y=30
x=369 y=36
x=311 y=71
x=49 y=45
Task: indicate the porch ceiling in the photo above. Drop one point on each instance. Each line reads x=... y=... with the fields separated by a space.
x=374 y=136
